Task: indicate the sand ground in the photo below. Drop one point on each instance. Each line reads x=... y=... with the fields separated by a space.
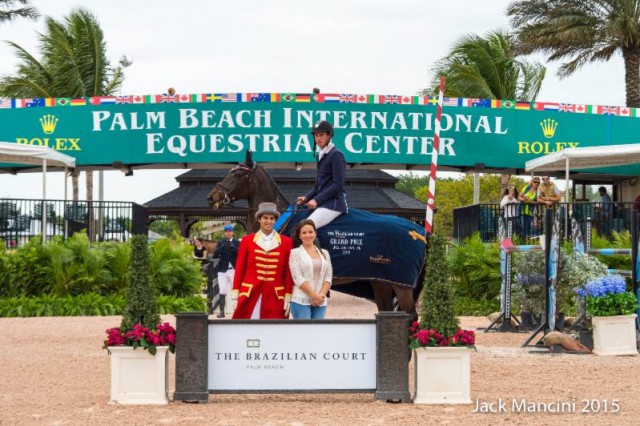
x=54 y=372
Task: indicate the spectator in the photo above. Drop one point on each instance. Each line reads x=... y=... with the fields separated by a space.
x=548 y=193
x=509 y=204
x=227 y=252
x=528 y=196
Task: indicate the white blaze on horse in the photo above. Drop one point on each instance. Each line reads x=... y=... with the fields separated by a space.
x=387 y=251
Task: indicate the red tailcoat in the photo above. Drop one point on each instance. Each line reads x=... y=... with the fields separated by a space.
x=262 y=273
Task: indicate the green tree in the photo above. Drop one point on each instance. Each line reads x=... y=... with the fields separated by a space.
x=72 y=64
x=487 y=67
x=582 y=31
x=410 y=183
x=9 y=11
x=452 y=193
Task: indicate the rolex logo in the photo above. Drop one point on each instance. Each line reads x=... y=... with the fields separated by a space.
x=548 y=127
x=48 y=123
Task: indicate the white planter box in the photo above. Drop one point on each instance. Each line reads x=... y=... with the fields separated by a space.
x=442 y=375
x=615 y=335
x=137 y=377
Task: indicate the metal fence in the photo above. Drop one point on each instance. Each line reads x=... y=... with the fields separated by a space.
x=528 y=223
x=22 y=219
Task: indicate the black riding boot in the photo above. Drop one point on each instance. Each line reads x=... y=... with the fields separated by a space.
x=221 y=314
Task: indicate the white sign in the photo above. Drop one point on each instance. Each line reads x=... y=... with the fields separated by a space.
x=259 y=356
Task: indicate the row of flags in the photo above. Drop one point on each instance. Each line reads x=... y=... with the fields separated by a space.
x=322 y=98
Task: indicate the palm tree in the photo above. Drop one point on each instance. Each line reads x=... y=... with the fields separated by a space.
x=73 y=64
x=487 y=67
x=8 y=12
x=582 y=31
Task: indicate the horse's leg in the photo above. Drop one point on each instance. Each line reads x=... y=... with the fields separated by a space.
x=406 y=302
x=383 y=295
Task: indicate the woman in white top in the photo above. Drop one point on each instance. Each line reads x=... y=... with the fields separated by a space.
x=509 y=203
x=312 y=273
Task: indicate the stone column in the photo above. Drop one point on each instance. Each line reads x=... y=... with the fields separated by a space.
x=392 y=366
x=192 y=347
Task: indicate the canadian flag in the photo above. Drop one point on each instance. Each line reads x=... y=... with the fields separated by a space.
x=580 y=108
x=625 y=112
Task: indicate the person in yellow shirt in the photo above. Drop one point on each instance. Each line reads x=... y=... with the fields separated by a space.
x=529 y=199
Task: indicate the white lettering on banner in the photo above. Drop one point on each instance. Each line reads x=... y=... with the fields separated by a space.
x=209 y=119
x=396 y=144
x=131 y=121
x=262 y=356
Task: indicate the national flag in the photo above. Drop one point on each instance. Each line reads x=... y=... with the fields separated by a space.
x=432 y=100
x=523 y=105
x=288 y=97
x=167 y=98
x=566 y=107
x=635 y=112
x=580 y=108
x=124 y=99
x=6 y=103
x=78 y=101
x=625 y=112
x=32 y=103
x=365 y=99
x=450 y=101
x=389 y=99
x=148 y=99
x=607 y=110
x=198 y=98
x=328 y=98
x=303 y=97
x=185 y=98
x=484 y=103
x=409 y=100
x=229 y=97
x=259 y=97
x=347 y=98
x=212 y=97
x=276 y=97
x=102 y=100
x=507 y=104
x=49 y=102
x=551 y=106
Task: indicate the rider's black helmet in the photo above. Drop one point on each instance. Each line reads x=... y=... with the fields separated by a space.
x=322 y=126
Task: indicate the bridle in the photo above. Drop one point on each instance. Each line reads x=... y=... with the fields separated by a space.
x=228 y=192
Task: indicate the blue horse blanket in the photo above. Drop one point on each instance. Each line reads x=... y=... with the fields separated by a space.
x=368 y=246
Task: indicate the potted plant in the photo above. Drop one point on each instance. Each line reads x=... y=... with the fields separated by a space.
x=612 y=309
x=442 y=360
x=139 y=347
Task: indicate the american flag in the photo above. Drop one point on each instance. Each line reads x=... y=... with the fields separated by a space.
x=6 y=103
x=389 y=99
x=166 y=98
x=229 y=97
x=124 y=99
x=450 y=101
x=348 y=98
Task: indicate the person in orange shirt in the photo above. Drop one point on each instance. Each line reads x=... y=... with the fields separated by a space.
x=262 y=284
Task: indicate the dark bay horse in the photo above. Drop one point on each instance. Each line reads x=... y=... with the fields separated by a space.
x=251 y=181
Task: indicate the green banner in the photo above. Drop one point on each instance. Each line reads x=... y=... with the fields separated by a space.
x=392 y=135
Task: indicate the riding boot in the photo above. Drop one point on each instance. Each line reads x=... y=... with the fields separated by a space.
x=222 y=300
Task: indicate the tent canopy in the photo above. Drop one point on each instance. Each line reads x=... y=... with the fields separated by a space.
x=586 y=158
x=29 y=154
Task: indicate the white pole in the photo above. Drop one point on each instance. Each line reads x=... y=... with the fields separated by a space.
x=64 y=205
x=101 y=204
x=476 y=188
x=566 y=198
x=44 y=200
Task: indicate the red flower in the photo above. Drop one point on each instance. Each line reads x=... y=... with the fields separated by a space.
x=140 y=335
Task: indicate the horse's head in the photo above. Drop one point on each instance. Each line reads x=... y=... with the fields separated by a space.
x=234 y=186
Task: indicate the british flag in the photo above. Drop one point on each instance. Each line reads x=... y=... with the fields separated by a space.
x=124 y=99
x=166 y=98
x=348 y=98
x=389 y=99
x=607 y=110
x=566 y=107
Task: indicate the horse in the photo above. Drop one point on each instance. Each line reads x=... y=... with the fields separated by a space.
x=250 y=181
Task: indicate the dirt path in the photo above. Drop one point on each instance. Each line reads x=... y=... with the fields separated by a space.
x=54 y=372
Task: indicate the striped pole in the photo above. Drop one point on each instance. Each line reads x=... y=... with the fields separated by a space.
x=428 y=224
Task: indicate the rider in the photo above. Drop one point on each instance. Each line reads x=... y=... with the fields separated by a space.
x=328 y=198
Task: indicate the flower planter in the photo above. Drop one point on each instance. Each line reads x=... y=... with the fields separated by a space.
x=137 y=377
x=614 y=335
x=442 y=375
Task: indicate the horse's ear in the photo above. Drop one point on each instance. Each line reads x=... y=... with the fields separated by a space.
x=249 y=159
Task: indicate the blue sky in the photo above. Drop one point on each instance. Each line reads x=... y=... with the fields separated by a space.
x=353 y=46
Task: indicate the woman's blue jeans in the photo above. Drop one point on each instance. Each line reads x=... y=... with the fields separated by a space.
x=299 y=311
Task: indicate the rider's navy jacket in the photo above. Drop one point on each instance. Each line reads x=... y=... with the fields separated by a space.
x=227 y=253
x=329 y=188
